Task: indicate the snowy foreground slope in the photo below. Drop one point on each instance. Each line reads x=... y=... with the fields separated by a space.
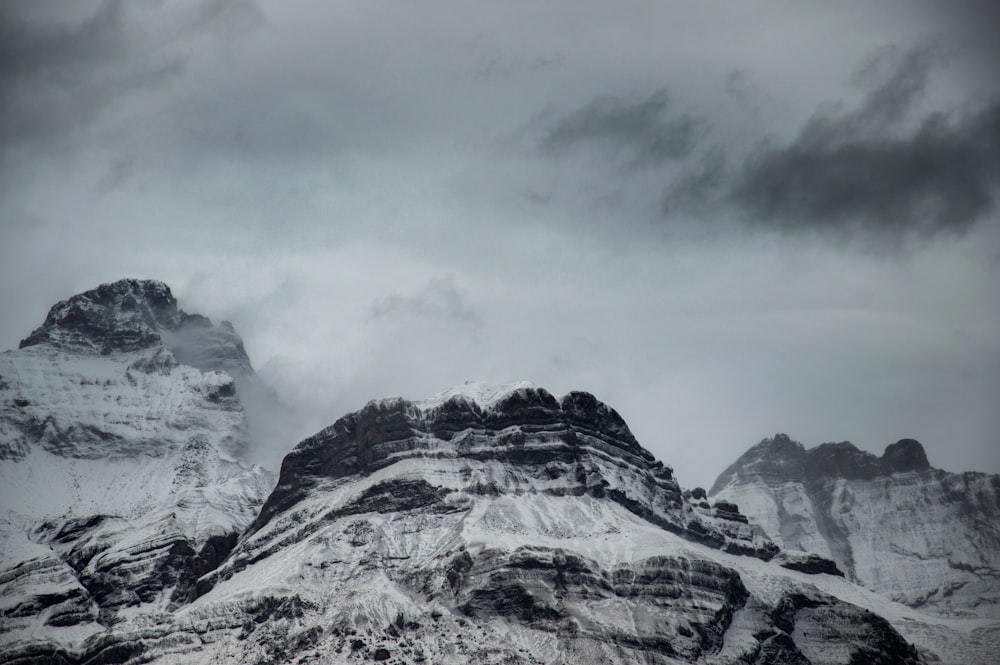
x=490 y=524
x=918 y=535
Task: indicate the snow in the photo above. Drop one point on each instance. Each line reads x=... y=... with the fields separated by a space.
x=350 y=568
x=111 y=440
x=169 y=468
x=483 y=393
x=926 y=538
x=153 y=454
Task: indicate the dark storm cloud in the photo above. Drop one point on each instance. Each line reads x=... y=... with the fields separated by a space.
x=64 y=66
x=869 y=172
x=646 y=129
x=698 y=185
x=56 y=76
x=943 y=178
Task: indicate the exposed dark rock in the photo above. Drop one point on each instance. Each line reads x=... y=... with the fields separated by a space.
x=780 y=649
x=826 y=620
x=728 y=510
x=780 y=459
x=811 y=564
x=123 y=316
x=787 y=610
x=132 y=315
x=394 y=496
x=905 y=455
x=72 y=529
x=528 y=429
x=536 y=587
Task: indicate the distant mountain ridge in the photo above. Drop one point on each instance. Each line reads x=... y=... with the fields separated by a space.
x=893 y=523
x=487 y=524
x=782 y=459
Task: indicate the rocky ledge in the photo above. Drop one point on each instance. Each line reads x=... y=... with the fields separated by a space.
x=576 y=445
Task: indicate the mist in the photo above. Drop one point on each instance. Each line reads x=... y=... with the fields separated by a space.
x=724 y=221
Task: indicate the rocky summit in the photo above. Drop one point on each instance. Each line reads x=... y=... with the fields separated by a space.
x=125 y=466
x=131 y=315
x=893 y=523
x=487 y=524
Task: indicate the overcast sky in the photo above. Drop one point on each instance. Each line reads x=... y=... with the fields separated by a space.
x=725 y=219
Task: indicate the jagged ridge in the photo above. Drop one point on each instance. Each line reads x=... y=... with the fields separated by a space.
x=893 y=523
x=131 y=315
x=782 y=459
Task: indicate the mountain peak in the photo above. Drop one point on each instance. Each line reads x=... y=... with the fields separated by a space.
x=481 y=393
x=134 y=315
x=505 y=441
x=121 y=316
x=780 y=459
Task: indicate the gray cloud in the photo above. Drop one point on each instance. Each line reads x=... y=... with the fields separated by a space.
x=646 y=129
x=868 y=172
x=66 y=66
x=314 y=179
x=942 y=178
x=440 y=299
x=56 y=75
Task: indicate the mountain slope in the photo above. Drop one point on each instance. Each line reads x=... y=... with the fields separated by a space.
x=504 y=526
x=919 y=535
x=122 y=470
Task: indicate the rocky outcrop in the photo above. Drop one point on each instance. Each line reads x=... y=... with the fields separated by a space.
x=780 y=459
x=893 y=523
x=132 y=315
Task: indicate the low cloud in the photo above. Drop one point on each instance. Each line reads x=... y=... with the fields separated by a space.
x=647 y=130
x=440 y=299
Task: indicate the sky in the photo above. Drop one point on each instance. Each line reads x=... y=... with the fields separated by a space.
x=726 y=220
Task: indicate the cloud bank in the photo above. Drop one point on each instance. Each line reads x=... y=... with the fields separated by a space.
x=724 y=220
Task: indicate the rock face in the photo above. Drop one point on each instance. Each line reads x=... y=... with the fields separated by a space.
x=893 y=523
x=502 y=525
x=485 y=525
x=576 y=446
x=123 y=473
x=133 y=315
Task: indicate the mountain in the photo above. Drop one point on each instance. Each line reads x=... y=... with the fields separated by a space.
x=919 y=535
x=488 y=524
x=123 y=461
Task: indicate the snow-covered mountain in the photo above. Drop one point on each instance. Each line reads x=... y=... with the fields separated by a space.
x=489 y=524
x=123 y=461
x=919 y=535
